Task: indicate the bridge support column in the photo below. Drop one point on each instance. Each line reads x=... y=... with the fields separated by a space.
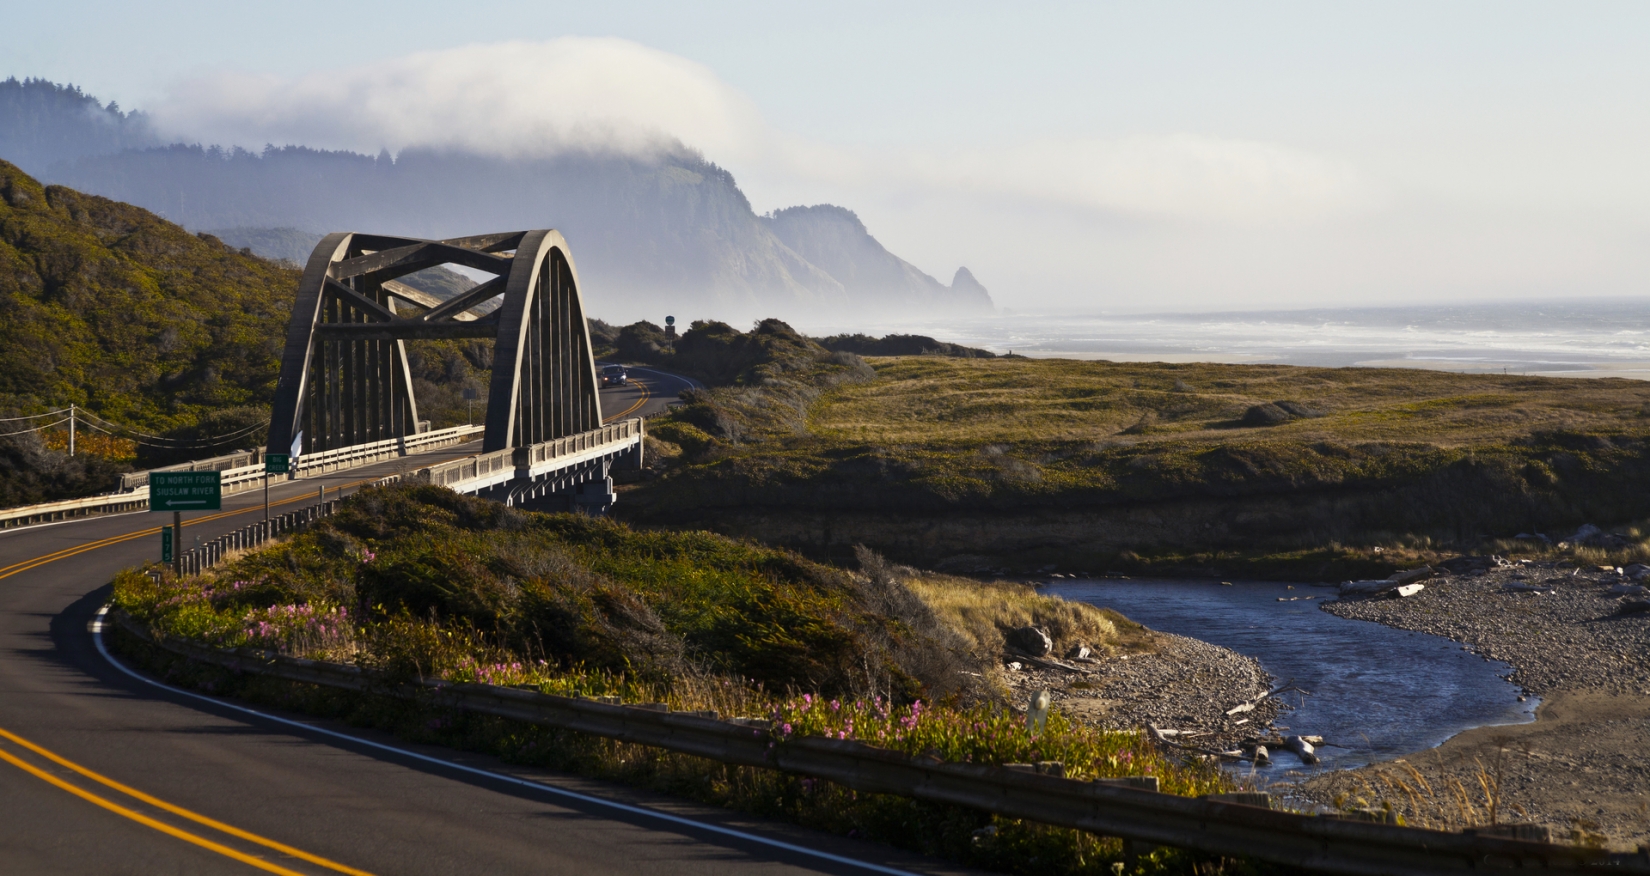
x=594 y=497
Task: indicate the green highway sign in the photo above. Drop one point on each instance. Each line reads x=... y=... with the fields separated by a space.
x=166 y=544
x=185 y=491
x=277 y=463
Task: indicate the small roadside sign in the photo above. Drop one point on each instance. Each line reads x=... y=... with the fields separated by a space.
x=166 y=544
x=277 y=463
x=185 y=491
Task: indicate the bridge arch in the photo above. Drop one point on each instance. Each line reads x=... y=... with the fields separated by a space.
x=344 y=375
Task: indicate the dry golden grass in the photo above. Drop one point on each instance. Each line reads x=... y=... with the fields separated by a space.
x=918 y=400
x=983 y=611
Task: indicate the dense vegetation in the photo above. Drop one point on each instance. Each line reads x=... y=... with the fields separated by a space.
x=419 y=581
x=1100 y=465
x=114 y=309
x=900 y=345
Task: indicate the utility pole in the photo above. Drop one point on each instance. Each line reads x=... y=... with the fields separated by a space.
x=71 y=428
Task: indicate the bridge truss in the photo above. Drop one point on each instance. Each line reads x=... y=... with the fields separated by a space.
x=345 y=380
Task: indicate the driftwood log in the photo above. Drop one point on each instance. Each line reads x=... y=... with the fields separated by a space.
x=1302 y=749
x=1045 y=663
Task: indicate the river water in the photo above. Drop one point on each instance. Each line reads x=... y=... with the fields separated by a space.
x=1375 y=692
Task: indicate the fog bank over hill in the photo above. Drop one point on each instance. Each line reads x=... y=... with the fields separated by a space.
x=651 y=233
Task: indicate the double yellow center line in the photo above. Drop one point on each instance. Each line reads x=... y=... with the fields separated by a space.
x=163 y=827
x=125 y=811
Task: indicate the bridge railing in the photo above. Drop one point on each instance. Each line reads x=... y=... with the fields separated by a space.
x=229 y=461
x=48 y=512
x=500 y=464
x=362 y=454
x=624 y=432
x=487 y=469
x=236 y=475
x=134 y=499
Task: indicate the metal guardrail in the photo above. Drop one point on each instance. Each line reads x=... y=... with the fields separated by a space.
x=253 y=535
x=1323 y=843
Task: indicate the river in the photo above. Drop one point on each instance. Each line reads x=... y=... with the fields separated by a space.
x=1374 y=692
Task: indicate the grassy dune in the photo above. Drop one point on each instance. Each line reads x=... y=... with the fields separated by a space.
x=963 y=402
x=1094 y=465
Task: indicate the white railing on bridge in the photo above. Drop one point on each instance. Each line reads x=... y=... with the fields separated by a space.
x=362 y=454
x=238 y=459
x=475 y=473
x=236 y=478
x=47 y=512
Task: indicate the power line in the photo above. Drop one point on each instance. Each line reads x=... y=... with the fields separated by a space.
x=35 y=416
x=35 y=429
x=81 y=415
x=120 y=431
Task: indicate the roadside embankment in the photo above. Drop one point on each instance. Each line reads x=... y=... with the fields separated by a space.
x=1580 y=768
x=416 y=584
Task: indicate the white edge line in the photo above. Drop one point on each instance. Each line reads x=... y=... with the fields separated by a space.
x=97 y=638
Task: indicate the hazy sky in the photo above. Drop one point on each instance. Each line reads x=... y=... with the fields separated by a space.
x=1086 y=156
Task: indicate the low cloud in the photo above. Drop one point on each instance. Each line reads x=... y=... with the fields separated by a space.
x=513 y=99
x=534 y=99
x=1180 y=176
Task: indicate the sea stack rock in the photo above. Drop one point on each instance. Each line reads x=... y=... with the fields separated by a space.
x=967 y=290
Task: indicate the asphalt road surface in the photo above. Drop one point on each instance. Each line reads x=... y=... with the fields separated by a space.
x=649 y=392
x=105 y=771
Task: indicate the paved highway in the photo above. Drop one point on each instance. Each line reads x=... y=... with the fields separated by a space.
x=106 y=771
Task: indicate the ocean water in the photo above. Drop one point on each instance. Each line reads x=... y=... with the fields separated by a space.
x=1596 y=338
x=1373 y=692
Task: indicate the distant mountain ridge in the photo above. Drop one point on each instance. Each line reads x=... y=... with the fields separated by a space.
x=43 y=123
x=650 y=235
x=834 y=239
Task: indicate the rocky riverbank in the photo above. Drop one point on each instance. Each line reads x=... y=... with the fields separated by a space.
x=1574 y=638
x=1172 y=682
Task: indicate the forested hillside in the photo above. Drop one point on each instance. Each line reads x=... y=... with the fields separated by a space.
x=111 y=308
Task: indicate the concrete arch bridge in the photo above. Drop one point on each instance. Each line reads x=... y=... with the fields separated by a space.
x=346 y=396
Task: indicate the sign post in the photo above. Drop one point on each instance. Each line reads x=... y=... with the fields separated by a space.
x=180 y=491
x=166 y=544
x=274 y=463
